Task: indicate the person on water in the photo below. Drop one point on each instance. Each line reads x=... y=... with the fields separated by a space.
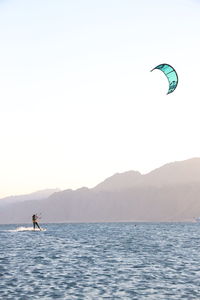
x=35 y=223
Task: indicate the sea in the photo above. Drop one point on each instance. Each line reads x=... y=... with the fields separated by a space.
x=100 y=261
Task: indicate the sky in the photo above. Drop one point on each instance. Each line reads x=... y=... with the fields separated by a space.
x=78 y=102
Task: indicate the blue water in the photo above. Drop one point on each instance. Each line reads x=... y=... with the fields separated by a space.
x=101 y=261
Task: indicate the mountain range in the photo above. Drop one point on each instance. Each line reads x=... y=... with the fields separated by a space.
x=170 y=193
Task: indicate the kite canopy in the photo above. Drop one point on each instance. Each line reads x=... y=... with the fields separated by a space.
x=171 y=75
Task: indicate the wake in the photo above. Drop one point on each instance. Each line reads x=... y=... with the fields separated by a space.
x=18 y=229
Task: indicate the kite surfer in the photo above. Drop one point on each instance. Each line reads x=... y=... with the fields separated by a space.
x=34 y=219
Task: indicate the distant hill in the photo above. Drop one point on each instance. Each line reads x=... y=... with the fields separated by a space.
x=33 y=196
x=169 y=193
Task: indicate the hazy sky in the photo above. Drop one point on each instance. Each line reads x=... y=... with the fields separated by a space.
x=77 y=100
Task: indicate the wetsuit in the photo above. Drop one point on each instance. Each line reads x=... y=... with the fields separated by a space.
x=34 y=219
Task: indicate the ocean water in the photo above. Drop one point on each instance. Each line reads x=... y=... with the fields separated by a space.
x=100 y=261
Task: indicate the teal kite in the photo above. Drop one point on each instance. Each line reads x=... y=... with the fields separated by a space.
x=171 y=75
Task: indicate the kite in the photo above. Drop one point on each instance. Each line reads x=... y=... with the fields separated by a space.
x=171 y=75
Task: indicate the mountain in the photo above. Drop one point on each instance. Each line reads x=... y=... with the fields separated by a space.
x=169 y=193
x=33 y=196
x=179 y=172
x=119 y=181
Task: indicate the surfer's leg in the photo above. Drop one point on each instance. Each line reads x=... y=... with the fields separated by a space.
x=38 y=225
x=33 y=225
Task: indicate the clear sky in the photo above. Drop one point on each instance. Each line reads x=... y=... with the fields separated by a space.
x=78 y=102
